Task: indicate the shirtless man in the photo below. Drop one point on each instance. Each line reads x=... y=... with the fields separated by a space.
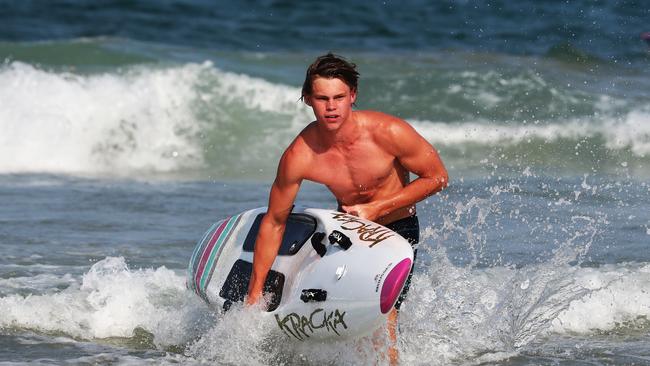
x=363 y=157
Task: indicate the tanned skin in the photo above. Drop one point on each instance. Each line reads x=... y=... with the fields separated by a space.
x=363 y=157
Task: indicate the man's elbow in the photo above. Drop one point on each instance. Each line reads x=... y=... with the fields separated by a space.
x=443 y=180
x=271 y=227
x=440 y=181
x=273 y=222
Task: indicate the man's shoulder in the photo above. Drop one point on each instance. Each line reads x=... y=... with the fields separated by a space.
x=302 y=139
x=299 y=148
x=392 y=133
x=295 y=161
x=382 y=125
x=375 y=117
x=308 y=131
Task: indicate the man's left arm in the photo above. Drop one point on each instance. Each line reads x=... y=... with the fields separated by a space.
x=416 y=155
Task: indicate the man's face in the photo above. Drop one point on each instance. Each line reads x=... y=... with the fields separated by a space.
x=331 y=100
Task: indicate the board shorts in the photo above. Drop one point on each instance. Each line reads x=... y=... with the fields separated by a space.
x=409 y=229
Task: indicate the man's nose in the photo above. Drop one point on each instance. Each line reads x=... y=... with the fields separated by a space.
x=330 y=105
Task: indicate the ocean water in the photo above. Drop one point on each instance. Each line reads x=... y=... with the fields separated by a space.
x=128 y=127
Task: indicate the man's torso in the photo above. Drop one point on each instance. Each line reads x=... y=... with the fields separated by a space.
x=358 y=171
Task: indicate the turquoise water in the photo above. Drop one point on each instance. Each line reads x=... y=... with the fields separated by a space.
x=128 y=128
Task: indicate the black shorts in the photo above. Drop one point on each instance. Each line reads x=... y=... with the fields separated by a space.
x=409 y=228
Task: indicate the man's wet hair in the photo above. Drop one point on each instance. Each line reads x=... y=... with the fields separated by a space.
x=330 y=66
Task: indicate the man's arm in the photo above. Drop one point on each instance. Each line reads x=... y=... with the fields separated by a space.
x=416 y=155
x=283 y=193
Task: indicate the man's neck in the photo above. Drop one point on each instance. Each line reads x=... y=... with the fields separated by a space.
x=341 y=137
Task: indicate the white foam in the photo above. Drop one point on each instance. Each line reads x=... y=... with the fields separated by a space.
x=632 y=130
x=465 y=313
x=242 y=337
x=629 y=131
x=144 y=118
x=619 y=296
x=257 y=94
x=111 y=301
x=166 y=118
x=132 y=120
x=453 y=314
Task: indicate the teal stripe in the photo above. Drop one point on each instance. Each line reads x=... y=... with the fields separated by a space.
x=208 y=267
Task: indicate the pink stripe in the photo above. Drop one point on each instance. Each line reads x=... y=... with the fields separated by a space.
x=206 y=253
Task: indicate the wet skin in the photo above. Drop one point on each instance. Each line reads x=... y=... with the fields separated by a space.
x=363 y=157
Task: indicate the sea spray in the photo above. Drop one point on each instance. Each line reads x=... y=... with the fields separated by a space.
x=112 y=301
x=240 y=336
x=483 y=308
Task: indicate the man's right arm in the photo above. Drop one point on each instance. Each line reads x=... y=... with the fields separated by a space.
x=281 y=199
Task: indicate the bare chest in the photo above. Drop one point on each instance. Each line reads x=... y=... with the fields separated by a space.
x=355 y=174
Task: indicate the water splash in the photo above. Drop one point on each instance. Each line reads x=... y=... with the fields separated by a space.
x=476 y=307
x=112 y=301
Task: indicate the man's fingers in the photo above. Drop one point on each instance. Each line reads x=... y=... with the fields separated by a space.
x=351 y=210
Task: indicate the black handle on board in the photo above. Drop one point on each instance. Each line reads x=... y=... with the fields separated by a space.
x=337 y=237
x=317 y=243
x=313 y=294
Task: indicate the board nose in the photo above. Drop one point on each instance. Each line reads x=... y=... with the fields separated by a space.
x=393 y=284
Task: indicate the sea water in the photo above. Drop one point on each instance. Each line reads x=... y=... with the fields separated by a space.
x=128 y=128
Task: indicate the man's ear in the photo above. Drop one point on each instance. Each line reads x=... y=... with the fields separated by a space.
x=306 y=99
x=353 y=95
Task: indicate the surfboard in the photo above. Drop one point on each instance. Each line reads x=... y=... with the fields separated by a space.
x=335 y=276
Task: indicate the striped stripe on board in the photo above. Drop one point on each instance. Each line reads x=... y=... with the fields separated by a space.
x=191 y=269
x=204 y=257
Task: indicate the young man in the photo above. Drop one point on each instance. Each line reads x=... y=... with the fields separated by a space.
x=363 y=157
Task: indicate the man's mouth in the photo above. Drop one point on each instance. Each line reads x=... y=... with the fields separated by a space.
x=331 y=116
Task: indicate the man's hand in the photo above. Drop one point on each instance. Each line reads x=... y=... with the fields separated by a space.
x=252 y=299
x=368 y=211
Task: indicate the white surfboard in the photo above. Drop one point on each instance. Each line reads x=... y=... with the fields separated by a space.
x=335 y=275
